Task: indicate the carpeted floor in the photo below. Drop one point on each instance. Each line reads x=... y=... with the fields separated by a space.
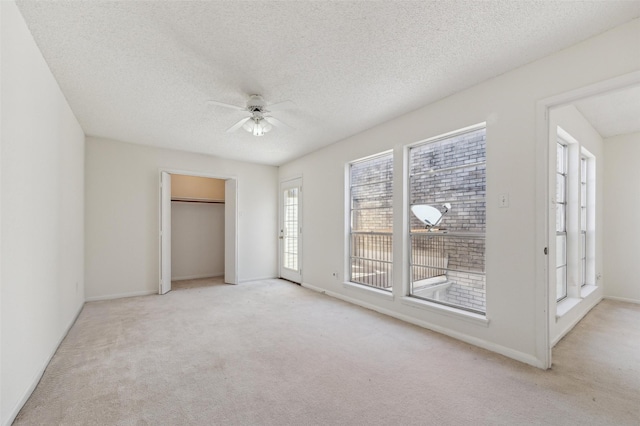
x=273 y=353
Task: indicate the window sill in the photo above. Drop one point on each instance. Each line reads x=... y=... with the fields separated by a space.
x=566 y=305
x=587 y=290
x=369 y=290
x=563 y=307
x=446 y=310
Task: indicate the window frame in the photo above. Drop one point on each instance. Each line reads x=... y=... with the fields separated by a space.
x=584 y=220
x=473 y=234
x=564 y=175
x=350 y=222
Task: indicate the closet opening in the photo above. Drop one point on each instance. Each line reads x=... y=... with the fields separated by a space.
x=198 y=231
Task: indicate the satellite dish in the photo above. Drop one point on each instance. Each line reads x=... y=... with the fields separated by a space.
x=429 y=215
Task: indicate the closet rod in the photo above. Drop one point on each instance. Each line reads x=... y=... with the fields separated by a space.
x=197 y=201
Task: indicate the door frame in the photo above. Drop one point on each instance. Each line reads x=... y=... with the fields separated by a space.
x=281 y=223
x=231 y=224
x=545 y=303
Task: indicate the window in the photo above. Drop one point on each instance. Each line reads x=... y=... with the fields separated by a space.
x=291 y=226
x=447 y=184
x=583 y=220
x=371 y=211
x=562 y=166
x=574 y=218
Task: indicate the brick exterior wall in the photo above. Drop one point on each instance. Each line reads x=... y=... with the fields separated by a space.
x=372 y=189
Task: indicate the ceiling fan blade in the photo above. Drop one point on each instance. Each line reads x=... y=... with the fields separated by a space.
x=281 y=105
x=222 y=104
x=238 y=125
x=276 y=122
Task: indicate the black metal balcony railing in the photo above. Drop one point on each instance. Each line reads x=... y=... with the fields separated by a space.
x=371 y=259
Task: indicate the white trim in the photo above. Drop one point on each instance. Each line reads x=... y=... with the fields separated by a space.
x=566 y=136
x=565 y=305
x=610 y=85
x=198 y=277
x=121 y=295
x=448 y=135
x=248 y=280
x=38 y=375
x=206 y=175
x=587 y=289
x=545 y=306
x=195 y=173
x=510 y=353
x=371 y=157
x=446 y=310
x=543 y=294
x=622 y=299
x=291 y=178
x=365 y=289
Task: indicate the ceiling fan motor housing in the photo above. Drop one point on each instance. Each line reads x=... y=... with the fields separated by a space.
x=256 y=103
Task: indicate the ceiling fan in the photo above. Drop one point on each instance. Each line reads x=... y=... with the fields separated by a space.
x=259 y=121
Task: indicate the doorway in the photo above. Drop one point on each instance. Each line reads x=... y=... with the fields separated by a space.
x=566 y=293
x=290 y=238
x=196 y=195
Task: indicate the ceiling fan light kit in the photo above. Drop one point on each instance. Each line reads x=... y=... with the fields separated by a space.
x=259 y=122
x=257 y=126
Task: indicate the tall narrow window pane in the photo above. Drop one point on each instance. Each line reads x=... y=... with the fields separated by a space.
x=583 y=220
x=371 y=216
x=290 y=236
x=562 y=164
x=447 y=187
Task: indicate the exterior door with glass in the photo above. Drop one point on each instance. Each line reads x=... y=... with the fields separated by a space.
x=290 y=237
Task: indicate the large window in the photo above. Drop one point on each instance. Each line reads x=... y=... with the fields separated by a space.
x=583 y=220
x=562 y=166
x=574 y=218
x=447 y=178
x=370 y=252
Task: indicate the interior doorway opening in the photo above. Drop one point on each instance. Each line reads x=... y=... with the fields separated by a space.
x=198 y=231
x=197 y=227
x=566 y=298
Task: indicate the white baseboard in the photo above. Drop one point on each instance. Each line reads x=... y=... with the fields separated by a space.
x=198 y=277
x=38 y=375
x=258 y=279
x=120 y=295
x=622 y=299
x=490 y=346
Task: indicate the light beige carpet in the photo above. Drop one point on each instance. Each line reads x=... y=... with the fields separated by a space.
x=273 y=353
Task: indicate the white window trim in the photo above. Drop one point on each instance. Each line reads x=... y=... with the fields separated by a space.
x=366 y=289
x=576 y=292
x=446 y=310
x=407 y=298
x=348 y=224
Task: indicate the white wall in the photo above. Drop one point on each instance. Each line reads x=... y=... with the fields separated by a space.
x=574 y=123
x=622 y=201
x=516 y=307
x=42 y=213
x=197 y=240
x=122 y=214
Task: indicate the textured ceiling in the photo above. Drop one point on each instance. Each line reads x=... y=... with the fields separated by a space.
x=141 y=71
x=616 y=113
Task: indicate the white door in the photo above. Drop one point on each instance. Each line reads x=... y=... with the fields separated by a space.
x=291 y=230
x=165 y=233
x=230 y=231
